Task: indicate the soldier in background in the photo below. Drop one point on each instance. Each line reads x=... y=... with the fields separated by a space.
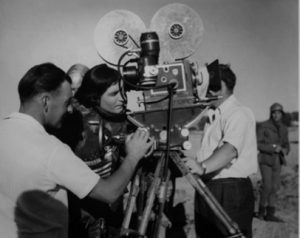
x=273 y=146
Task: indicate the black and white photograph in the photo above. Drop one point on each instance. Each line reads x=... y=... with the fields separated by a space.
x=149 y=119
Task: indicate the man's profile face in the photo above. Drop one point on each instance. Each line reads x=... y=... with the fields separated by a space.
x=111 y=101
x=60 y=105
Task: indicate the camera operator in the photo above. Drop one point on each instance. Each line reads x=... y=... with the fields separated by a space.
x=36 y=168
x=227 y=156
x=99 y=101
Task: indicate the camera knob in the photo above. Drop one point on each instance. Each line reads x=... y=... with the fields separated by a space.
x=153 y=71
x=187 y=145
x=185 y=132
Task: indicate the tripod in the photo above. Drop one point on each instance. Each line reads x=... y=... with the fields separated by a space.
x=159 y=184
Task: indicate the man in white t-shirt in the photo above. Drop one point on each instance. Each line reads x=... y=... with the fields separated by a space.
x=227 y=156
x=36 y=168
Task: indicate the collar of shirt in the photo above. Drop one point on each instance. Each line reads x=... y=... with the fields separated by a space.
x=29 y=119
x=213 y=113
x=226 y=104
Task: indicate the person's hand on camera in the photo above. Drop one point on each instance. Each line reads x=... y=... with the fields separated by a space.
x=137 y=144
x=193 y=166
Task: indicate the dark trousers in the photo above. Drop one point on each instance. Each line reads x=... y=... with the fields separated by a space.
x=271 y=181
x=236 y=197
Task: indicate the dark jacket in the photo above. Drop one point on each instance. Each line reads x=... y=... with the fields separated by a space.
x=84 y=141
x=88 y=149
x=269 y=134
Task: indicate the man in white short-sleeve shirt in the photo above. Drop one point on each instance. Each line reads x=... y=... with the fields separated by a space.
x=233 y=124
x=36 y=168
x=226 y=157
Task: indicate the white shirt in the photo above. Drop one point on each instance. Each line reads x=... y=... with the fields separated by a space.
x=34 y=169
x=234 y=124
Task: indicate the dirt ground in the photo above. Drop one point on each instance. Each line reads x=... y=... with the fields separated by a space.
x=286 y=206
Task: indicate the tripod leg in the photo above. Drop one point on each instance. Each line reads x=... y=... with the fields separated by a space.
x=200 y=187
x=151 y=196
x=162 y=199
x=131 y=202
x=141 y=198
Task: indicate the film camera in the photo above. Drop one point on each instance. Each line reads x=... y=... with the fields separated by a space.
x=155 y=59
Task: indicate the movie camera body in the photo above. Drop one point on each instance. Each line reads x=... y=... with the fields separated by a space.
x=149 y=104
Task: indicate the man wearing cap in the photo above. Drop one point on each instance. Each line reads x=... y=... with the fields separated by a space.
x=226 y=158
x=273 y=146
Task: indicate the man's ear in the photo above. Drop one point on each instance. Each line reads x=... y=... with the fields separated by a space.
x=213 y=93
x=45 y=102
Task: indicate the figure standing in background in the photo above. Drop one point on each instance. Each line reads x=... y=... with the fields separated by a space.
x=226 y=158
x=76 y=73
x=273 y=146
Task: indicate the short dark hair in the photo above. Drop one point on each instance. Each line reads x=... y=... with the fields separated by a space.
x=94 y=84
x=227 y=76
x=41 y=78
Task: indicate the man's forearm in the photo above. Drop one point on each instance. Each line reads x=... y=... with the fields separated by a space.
x=111 y=188
x=220 y=158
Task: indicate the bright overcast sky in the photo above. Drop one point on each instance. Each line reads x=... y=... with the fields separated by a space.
x=258 y=38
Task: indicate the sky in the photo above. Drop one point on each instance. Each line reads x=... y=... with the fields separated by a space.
x=258 y=38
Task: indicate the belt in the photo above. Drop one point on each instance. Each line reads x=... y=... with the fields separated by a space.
x=224 y=180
